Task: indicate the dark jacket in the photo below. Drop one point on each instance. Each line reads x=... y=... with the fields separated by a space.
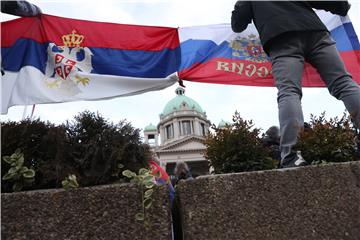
x=20 y=8
x=273 y=18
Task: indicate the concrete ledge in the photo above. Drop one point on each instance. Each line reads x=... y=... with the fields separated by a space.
x=317 y=202
x=102 y=212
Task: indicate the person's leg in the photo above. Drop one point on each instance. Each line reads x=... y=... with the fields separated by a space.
x=287 y=66
x=324 y=56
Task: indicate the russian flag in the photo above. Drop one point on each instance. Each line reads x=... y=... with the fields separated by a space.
x=215 y=54
x=53 y=59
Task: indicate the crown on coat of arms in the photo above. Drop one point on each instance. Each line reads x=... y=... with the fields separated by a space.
x=73 y=39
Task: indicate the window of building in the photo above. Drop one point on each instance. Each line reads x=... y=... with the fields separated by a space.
x=169 y=129
x=202 y=129
x=185 y=127
x=151 y=139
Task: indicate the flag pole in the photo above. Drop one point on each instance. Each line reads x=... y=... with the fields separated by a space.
x=32 y=112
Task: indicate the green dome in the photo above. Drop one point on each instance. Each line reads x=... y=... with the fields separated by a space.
x=150 y=128
x=223 y=124
x=181 y=102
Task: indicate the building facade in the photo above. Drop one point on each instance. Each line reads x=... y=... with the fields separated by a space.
x=180 y=134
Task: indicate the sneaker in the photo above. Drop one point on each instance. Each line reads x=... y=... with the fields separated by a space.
x=296 y=161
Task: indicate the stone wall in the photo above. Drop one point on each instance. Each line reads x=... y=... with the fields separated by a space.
x=102 y=212
x=305 y=203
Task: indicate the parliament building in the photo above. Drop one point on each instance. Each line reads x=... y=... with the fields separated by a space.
x=180 y=134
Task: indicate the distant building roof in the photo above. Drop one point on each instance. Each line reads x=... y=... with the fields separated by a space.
x=181 y=102
x=223 y=124
x=150 y=128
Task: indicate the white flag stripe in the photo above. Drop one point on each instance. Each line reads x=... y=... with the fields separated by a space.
x=20 y=89
x=218 y=32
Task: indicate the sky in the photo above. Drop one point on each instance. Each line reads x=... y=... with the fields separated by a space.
x=218 y=101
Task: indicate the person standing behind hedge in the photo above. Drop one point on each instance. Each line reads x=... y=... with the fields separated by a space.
x=181 y=172
x=271 y=141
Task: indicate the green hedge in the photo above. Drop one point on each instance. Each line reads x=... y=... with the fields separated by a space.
x=90 y=147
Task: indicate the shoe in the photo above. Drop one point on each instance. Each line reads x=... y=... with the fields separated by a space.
x=295 y=161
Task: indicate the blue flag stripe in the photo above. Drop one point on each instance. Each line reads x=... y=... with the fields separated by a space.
x=133 y=63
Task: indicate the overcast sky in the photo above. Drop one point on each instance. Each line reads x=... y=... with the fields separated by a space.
x=219 y=101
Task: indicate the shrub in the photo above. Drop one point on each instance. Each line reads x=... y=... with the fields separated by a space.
x=41 y=143
x=99 y=147
x=331 y=140
x=237 y=148
x=89 y=147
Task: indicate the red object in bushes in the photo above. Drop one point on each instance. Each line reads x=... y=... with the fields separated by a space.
x=156 y=168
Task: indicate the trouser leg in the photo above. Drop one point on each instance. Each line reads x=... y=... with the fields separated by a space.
x=326 y=59
x=291 y=121
x=352 y=104
x=287 y=67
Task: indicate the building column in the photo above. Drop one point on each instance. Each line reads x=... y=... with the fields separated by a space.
x=197 y=127
x=157 y=139
x=176 y=128
x=146 y=136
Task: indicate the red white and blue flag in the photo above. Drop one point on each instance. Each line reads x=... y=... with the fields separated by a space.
x=53 y=59
x=215 y=54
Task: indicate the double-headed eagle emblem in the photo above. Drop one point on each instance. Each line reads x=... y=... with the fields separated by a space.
x=67 y=64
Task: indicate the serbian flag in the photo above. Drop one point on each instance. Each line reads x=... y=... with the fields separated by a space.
x=53 y=59
x=215 y=54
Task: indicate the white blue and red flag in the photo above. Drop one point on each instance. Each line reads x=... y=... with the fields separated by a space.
x=215 y=54
x=53 y=59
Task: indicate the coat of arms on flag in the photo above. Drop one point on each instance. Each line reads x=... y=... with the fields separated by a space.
x=65 y=64
x=248 y=47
